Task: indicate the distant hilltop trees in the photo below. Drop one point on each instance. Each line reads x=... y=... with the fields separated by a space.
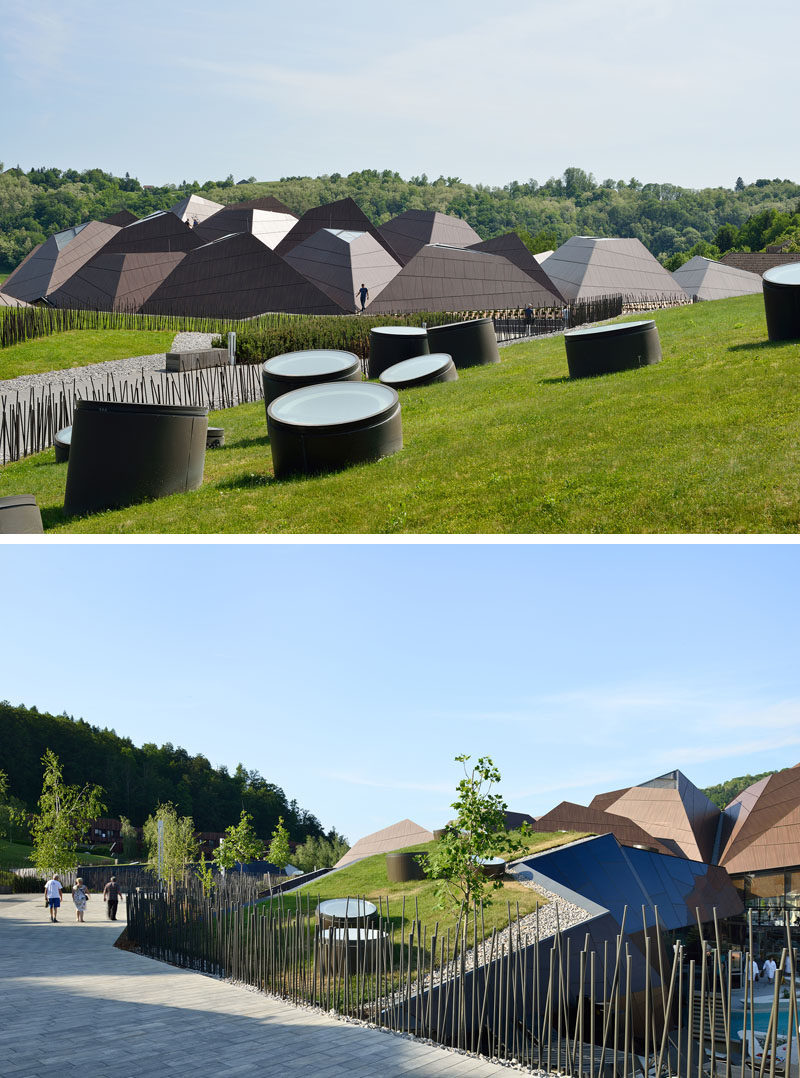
x=135 y=779
x=671 y=221
x=724 y=792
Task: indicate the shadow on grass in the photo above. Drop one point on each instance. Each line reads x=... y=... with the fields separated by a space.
x=248 y=481
x=244 y=443
x=760 y=344
x=53 y=516
x=554 y=381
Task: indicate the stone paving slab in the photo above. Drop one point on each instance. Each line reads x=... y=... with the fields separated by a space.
x=69 y=998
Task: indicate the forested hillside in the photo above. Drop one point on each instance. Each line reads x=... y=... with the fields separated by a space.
x=724 y=792
x=135 y=779
x=669 y=220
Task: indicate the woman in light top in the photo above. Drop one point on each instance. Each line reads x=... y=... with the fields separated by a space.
x=80 y=896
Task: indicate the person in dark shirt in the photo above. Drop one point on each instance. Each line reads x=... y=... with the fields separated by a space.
x=363 y=295
x=111 y=898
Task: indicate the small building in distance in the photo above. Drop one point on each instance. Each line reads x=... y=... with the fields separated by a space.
x=704 y=279
x=586 y=267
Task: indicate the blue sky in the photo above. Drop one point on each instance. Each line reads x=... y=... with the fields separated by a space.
x=489 y=93
x=351 y=675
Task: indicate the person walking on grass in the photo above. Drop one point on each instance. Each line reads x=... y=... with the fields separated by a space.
x=80 y=896
x=111 y=898
x=53 y=892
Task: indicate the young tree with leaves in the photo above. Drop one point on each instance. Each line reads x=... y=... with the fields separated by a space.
x=130 y=842
x=64 y=815
x=279 y=851
x=477 y=832
x=179 y=846
x=240 y=843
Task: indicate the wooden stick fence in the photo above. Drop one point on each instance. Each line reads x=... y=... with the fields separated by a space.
x=550 y=1004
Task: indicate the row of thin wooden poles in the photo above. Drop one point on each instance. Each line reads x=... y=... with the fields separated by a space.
x=521 y=1007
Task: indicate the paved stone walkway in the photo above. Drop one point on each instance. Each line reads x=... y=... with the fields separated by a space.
x=70 y=1000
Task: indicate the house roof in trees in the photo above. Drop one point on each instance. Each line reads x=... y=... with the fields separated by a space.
x=159 y=231
x=670 y=808
x=121 y=218
x=706 y=279
x=339 y=261
x=758 y=261
x=269 y=226
x=459 y=279
x=510 y=246
x=195 y=208
x=415 y=229
x=395 y=837
x=343 y=214
x=237 y=276
x=588 y=266
x=117 y=282
x=50 y=264
x=761 y=828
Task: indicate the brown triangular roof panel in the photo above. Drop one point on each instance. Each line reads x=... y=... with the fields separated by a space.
x=706 y=279
x=160 y=231
x=11 y=301
x=411 y=231
x=588 y=266
x=339 y=261
x=344 y=214
x=510 y=246
x=459 y=279
x=571 y=817
x=120 y=218
x=237 y=277
x=395 y=837
x=48 y=266
x=270 y=226
x=117 y=282
x=766 y=831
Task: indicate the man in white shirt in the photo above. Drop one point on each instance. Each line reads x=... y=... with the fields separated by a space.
x=52 y=892
x=769 y=970
x=755 y=970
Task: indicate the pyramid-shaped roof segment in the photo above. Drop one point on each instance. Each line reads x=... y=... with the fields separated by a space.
x=672 y=809
x=195 y=208
x=53 y=262
x=117 y=282
x=343 y=214
x=10 y=301
x=395 y=837
x=706 y=279
x=765 y=819
x=457 y=279
x=237 y=277
x=588 y=266
x=159 y=231
x=120 y=218
x=339 y=261
x=510 y=246
x=267 y=225
x=415 y=229
x=568 y=816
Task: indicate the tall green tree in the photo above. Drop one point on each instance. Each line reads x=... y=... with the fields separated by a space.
x=178 y=847
x=64 y=815
x=279 y=851
x=130 y=842
x=478 y=831
x=240 y=843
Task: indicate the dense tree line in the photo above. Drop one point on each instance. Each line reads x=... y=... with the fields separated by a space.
x=669 y=220
x=724 y=792
x=136 y=779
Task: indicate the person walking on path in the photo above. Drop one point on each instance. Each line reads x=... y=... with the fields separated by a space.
x=769 y=970
x=80 y=896
x=529 y=319
x=111 y=897
x=53 y=892
x=363 y=295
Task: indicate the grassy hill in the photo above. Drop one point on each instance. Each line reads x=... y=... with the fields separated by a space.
x=407 y=901
x=706 y=441
x=17 y=855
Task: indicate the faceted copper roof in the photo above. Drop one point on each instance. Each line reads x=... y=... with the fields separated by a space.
x=237 y=277
x=10 y=301
x=458 y=279
x=338 y=262
x=121 y=218
x=54 y=261
x=706 y=279
x=343 y=214
x=568 y=816
x=671 y=809
x=587 y=266
x=159 y=231
x=763 y=825
x=195 y=208
x=510 y=246
x=267 y=225
x=415 y=229
x=395 y=837
x=117 y=282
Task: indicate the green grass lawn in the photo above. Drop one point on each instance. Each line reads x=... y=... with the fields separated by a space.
x=367 y=879
x=17 y=855
x=80 y=348
x=706 y=441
